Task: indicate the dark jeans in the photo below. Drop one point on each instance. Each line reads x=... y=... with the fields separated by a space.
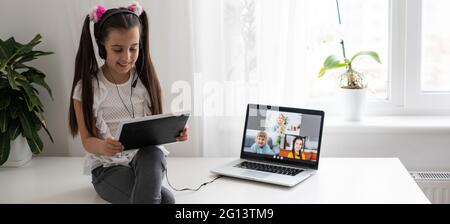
x=140 y=183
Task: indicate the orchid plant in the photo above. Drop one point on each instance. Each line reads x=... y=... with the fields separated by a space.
x=351 y=79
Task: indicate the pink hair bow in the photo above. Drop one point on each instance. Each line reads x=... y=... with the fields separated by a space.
x=136 y=7
x=96 y=13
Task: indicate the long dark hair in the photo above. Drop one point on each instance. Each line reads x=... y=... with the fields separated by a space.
x=86 y=66
x=301 y=149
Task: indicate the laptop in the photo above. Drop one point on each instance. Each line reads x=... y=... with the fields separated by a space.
x=280 y=145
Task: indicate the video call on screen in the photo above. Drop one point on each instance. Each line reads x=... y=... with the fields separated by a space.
x=282 y=135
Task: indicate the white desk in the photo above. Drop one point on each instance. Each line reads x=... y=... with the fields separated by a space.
x=339 y=180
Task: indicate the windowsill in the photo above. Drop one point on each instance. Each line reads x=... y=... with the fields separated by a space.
x=389 y=124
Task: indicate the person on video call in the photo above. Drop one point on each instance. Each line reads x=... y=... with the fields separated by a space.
x=260 y=146
x=297 y=149
x=280 y=127
x=277 y=131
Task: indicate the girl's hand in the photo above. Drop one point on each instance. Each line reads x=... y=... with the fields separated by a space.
x=111 y=147
x=183 y=135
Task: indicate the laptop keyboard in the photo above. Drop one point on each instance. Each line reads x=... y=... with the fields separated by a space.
x=269 y=168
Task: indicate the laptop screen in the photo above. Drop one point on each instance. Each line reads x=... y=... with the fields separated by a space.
x=283 y=135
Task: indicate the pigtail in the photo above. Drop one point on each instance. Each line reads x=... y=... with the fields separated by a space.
x=146 y=69
x=86 y=67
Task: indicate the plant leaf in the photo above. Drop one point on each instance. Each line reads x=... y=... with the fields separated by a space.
x=14 y=109
x=4 y=83
x=27 y=128
x=5 y=100
x=372 y=54
x=31 y=56
x=323 y=70
x=37 y=140
x=14 y=129
x=3 y=55
x=5 y=145
x=34 y=100
x=24 y=49
x=7 y=49
x=3 y=121
x=35 y=76
x=34 y=146
x=44 y=125
x=11 y=78
x=18 y=76
x=331 y=62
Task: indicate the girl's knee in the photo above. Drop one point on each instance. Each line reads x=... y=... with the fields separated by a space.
x=150 y=156
x=150 y=153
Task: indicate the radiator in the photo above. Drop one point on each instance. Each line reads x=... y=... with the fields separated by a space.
x=435 y=185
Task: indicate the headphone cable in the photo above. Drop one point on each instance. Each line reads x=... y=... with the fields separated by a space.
x=118 y=92
x=190 y=189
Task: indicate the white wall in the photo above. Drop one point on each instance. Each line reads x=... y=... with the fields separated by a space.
x=24 y=19
x=59 y=22
x=417 y=151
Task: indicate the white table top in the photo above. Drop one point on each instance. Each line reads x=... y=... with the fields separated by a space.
x=339 y=180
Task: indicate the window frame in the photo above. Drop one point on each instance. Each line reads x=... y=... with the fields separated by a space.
x=415 y=99
x=396 y=55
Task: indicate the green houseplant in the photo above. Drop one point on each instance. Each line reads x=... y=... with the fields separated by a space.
x=350 y=79
x=21 y=110
x=353 y=83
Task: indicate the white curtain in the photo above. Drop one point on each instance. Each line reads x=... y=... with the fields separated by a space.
x=245 y=51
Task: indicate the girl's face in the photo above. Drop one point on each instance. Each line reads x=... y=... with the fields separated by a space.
x=298 y=145
x=122 y=49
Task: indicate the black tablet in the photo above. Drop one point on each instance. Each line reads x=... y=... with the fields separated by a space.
x=151 y=130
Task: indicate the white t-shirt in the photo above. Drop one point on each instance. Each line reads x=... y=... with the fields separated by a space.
x=109 y=110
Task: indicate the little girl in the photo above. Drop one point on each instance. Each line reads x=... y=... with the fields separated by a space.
x=124 y=87
x=297 y=149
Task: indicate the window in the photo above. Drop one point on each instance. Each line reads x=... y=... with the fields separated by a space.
x=435 y=73
x=426 y=78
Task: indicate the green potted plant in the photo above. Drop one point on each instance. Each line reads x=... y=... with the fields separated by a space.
x=21 y=110
x=350 y=79
x=353 y=83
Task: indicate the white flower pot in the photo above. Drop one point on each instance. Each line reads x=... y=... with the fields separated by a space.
x=19 y=154
x=353 y=103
